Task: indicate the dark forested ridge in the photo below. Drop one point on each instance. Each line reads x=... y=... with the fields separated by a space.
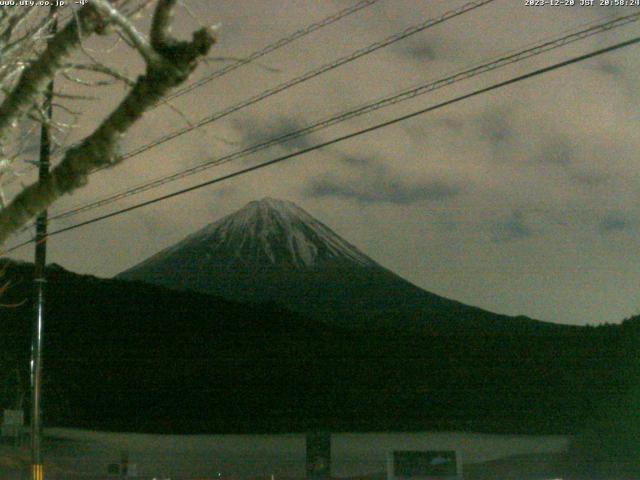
x=134 y=357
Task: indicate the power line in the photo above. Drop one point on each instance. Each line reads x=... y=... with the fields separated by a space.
x=367 y=108
x=309 y=75
x=342 y=138
x=273 y=47
x=282 y=42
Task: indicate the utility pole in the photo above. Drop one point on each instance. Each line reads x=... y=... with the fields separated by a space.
x=37 y=469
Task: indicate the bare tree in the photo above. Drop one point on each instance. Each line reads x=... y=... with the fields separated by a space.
x=28 y=64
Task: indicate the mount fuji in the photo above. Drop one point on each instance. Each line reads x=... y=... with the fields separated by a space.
x=273 y=251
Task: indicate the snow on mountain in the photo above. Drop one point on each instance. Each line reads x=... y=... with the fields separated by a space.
x=270 y=231
x=273 y=251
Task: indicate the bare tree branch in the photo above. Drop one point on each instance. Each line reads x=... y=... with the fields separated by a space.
x=169 y=66
x=135 y=37
x=102 y=69
x=161 y=22
x=37 y=75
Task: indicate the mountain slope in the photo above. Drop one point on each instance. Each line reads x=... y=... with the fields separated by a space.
x=272 y=250
x=129 y=356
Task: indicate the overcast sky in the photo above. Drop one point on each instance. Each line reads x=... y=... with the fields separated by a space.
x=520 y=201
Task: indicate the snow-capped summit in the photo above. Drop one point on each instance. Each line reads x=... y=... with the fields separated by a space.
x=276 y=232
x=273 y=251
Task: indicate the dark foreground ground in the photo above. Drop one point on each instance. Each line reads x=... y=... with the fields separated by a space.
x=84 y=455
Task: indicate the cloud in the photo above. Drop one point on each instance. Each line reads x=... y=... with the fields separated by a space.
x=614 y=222
x=494 y=127
x=452 y=123
x=608 y=68
x=376 y=184
x=588 y=178
x=512 y=229
x=615 y=76
x=422 y=49
x=575 y=161
x=254 y=132
x=354 y=160
x=556 y=151
x=420 y=52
